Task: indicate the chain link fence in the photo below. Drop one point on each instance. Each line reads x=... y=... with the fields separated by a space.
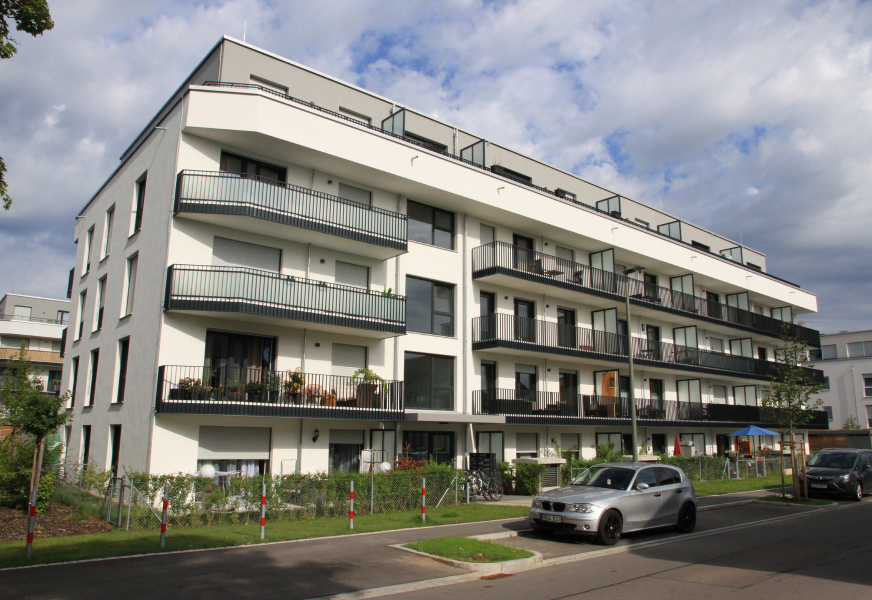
x=134 y=501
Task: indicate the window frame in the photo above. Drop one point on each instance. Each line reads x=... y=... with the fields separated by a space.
x=867 y=386
x=432 y=387
x=433 y=312
x=100 y=304
x=138 y=203
x=222 y=166
x=121 y=375
x=129 y=299
x=107 y=233
x=490 y=434
x=432 y=224
x=89 y=243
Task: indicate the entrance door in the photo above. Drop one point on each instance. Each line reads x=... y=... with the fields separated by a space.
x=723 y=443
x=525 y=321
x=658 y=443
x=425 y=444
x=566 y=332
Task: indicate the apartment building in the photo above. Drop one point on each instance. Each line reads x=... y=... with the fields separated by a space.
x=39 y=324
x=286 y=269
x=845 y=358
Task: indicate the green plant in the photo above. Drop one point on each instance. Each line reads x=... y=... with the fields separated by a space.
x=607 y=452
x=388 y=292
x=234 y=387
x=530 y=477
x=469 y=550
x=272 y=381
x=254 y=387
x=295 y=382
x=851 y=423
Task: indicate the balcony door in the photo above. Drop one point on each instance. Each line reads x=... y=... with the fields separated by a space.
x=605 y=331
x=233 y=163
x=652 y=349
x=567 y=335
x=689 y=399
x=525 y=382
x=524 y=257
x=238 y=357
x=487 y=323
x=568 y=386
x=488 y=384
x=655 y=392
x=525 y=320
x=683 y=294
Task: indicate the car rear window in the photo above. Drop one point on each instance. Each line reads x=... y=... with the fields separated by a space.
x=668 y=476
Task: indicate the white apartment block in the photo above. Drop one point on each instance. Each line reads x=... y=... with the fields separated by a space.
x=271 y=218
x=846 y=361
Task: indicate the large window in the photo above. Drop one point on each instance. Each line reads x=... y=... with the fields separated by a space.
x=426 y=445
x=745 y=395
x=429 y=381
x=107 y=232
x=101 y=303
x=860 y=349
x=491 y=442
x=867 y=385
x=829 y=352
x=138 y=204
x=123 y=352
x=430 y=225
x=92 y=380
x=89 y=241
x=225 y=350
x=742 y=347
x=82 y=299
x=429 y=307
x=232 y=163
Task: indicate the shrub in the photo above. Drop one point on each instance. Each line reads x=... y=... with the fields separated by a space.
x=529 y=478
x=16 y=464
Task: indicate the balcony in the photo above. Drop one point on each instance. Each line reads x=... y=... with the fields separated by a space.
x=270 y=207
x=558 y=408
x=517 y=333
x=269 y=297
x=499 y=260
x=261 y=393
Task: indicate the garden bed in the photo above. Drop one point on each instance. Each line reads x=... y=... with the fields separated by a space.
x=59 y=520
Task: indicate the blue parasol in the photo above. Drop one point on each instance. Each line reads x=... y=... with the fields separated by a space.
x=752 y=430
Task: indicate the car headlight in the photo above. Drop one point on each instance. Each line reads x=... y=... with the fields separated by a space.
x=537 y=503
x=843 y=477
x=582 y=508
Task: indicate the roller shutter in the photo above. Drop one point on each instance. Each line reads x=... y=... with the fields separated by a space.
x=346 y=436
x=354 y=194
x=233 y=443
x=347 y=359
x=233 y=253
x=526 y=442
x=355 y=275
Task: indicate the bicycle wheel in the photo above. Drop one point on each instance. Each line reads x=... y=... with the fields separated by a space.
x=495 y=488
x=485 y=489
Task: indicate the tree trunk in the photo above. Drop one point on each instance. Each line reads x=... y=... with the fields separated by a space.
x=804 y=476
x=793 y=468
x=781 y=458
x=37 y=467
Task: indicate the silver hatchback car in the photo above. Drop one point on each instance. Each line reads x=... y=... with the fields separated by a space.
x=610 y=499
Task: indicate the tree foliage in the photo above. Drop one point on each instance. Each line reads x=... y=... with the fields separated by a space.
x=788 y=397
x=851 y=423
x=24 y=407
x=30 y=16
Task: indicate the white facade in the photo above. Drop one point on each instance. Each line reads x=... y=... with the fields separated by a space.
x=846 y=361
x=272 y=272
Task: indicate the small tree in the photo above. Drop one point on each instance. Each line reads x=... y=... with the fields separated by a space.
x=851 y=423
x=25 y=409
x=789 y=395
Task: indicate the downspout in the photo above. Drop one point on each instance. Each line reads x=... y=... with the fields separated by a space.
x=303 y=357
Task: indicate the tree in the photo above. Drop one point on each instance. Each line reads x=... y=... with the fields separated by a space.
x=27 y=410
x=851 y=423
x=30 y=16
x=789 y=395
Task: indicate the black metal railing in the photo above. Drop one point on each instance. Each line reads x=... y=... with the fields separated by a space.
x=260 y=392
x=506 y=259
x=32 y=319
x=262 y=198
x=534 y=406
x=265 y=293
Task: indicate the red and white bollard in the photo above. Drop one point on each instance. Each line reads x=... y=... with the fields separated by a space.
x=31 y=523
x=263 y=510
x=163 y=516
x=351 y=506
x=424 y=499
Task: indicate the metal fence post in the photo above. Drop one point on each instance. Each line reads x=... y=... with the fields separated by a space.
x=31 y=522
x=455 y=488
x=424 y=499
x=372 y=493
x=263 y=508
x=351 y=506
x=163 y=518
x=700 y=469
x=81 y=477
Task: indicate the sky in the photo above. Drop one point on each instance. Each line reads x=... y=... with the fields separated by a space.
x=751 y=119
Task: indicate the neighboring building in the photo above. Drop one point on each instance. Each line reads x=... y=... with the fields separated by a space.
x=272 y=218
x=846 y=361
x=39 y=323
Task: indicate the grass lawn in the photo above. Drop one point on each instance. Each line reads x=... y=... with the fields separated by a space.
x=469 y=550
x=729 y=486
x=811 y=502
x=123 y=543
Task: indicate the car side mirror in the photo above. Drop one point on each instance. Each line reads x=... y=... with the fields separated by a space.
x=642 y=486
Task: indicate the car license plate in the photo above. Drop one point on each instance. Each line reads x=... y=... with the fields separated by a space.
x=551 y=518
x=819 y=485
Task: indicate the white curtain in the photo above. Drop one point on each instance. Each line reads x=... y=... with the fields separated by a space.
x=249 y=468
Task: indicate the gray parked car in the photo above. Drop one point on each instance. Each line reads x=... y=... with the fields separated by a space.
x=612 y=498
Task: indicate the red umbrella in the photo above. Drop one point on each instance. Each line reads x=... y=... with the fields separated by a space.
x=677 y=450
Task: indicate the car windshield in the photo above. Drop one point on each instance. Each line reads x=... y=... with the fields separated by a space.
x=834 y=460
x=613 y=478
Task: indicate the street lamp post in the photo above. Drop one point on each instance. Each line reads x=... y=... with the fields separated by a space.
x=628 y=272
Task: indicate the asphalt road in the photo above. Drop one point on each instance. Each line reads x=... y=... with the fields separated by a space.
x=823 y=553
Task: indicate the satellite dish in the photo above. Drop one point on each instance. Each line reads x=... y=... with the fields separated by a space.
x=207 y=471
x=384 y=467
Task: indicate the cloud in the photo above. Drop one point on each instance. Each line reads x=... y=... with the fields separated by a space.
x=752 y=119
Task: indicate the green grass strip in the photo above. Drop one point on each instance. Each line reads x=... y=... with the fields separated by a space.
x=469 y=550
x=125 y=543
x=729 y=486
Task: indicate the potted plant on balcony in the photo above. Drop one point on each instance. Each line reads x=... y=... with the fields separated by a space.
x=255 y=391
x=187 y=386
x=272 y=381
x=294 y=385
x=234 y=391
x=369 y=391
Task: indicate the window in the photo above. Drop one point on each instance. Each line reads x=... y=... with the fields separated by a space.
x=396 y=123
x=829 y=410
x=491 y=442
x=525 y=382
x=700 y=245
x=689 y=391
x=107 y=232
x=429 y=381
x=604 y=260
x=74 y=381
x=697 y=439
x=426 y=445
x=755 y=267
x=352 y=275
x=829 y=352
x=232 y=163
x=115 y=445
x=785 y=313
x=82 y=298
x=89 y=240
x=860 y=349
x=826 y=384
x=139 y=203
x=719 y=394
x=355 y=194
x=123 y=352
x=14 y=342
x=716 y=345
x=86 y=444
x=613 y=439
x=734 y=254
x=738 y=301
x=526 y=445
x=63 y=317
x=745 y=395
x=869 y=415
x=429 y=307
x=486 y=234
x=570 y=442
x=344 y=450
x=644 y=224
x=683 y=284
x=101 y=302
x=742 y=347
x=92 y=380
x=672 y=229
x=233 y=253
x=131 y=283
x=610 y=205
x=346 y=360
x=686 y=336
x=867 y=385
x=430 y=225
x=488 y=373
x=762 y=353
x=355 y=115
x=227 y=353
x=564 y=253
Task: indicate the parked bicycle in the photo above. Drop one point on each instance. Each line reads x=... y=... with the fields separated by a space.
x=490 y=487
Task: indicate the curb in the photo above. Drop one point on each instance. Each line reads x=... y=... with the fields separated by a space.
x=508 y=566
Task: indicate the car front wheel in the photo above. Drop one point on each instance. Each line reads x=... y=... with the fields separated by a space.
x=686 y=518
x=858 y=493
x=611 y=526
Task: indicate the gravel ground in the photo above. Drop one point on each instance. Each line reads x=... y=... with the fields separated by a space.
x=57 y=521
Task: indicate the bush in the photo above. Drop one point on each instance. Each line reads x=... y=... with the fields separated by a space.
x=528 y=478
x=16 y=464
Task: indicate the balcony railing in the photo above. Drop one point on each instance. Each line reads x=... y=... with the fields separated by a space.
x=254 y=196
x=525 y=406
x=31 y=319
x=509 y=331
x=234 y=289
x=501 y=258
x=259 y=392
